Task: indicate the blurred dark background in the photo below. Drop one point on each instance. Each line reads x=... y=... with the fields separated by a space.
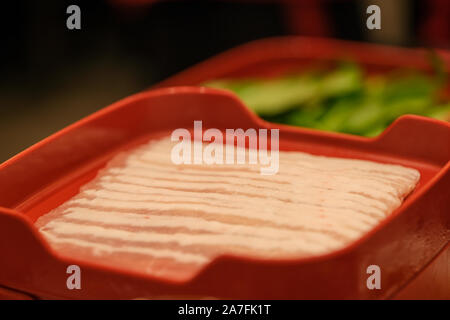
x=52 y=76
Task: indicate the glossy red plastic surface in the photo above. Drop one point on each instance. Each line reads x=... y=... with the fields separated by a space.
x=50 y=172
x=432 y=283
x=10 y=294
x=275 y=56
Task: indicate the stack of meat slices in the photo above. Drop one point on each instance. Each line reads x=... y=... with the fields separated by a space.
x=142 y=212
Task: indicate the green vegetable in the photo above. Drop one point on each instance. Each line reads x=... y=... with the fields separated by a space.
x=441 y=112
x=269 y=97
x=342 y=99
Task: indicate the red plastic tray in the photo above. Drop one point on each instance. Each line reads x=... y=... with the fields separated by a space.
x=50 y=172
x=274 y=56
